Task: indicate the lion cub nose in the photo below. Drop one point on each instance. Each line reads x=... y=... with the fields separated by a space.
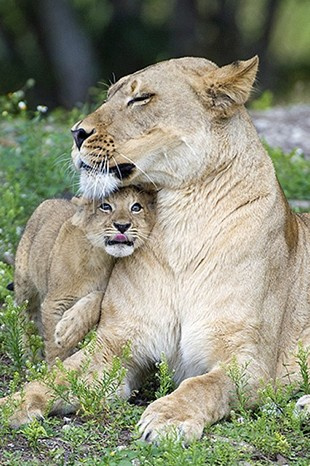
x=122 y=227
x=79 y=136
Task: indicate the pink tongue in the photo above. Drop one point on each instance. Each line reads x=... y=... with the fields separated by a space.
x=120 y=237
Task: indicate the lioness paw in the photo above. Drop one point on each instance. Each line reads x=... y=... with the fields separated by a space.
x=23 y=413
x=170 y=415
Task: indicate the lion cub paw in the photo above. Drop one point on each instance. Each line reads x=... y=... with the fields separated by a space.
x=67 y=331
x=168 y=415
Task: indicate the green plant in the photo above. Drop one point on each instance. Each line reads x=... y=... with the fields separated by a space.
x=34 y=431
x=239 y=376
x=20 y=340
x=93 y=397
x=302 y=358
x=165 y=378
x=12 y=336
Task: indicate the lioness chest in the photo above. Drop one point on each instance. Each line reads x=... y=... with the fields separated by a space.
x=189 y=281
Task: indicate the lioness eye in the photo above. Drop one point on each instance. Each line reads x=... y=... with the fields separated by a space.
x=105 y=207
x=143 y=99
x=136 y=207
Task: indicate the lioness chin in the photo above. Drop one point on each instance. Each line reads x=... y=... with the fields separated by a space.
x=228 y=272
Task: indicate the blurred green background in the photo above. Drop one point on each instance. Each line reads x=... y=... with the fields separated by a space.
x=68 y=46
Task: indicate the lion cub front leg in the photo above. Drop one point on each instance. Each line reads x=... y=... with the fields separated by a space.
x=77 y=321
x=52 y=310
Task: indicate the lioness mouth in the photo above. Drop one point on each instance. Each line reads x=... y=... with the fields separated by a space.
x=121 y=171
x=84 y=166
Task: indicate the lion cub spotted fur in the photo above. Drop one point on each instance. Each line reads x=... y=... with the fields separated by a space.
x=65 y=258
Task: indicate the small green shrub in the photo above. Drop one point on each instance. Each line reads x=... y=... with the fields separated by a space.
x=93 y=397
x=239 y=376
x=33 y=432
x=19 y=339
x=165 y=378
x=302 y=358
x=12 y=335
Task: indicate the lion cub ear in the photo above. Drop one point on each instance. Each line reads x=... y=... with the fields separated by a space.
x=230 y=85
x=84 y=208
x=80 y=201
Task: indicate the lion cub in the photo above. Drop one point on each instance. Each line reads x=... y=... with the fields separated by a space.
x=65 y=258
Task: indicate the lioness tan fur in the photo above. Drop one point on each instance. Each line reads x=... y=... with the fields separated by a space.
x=65 y=258
x=228 y=272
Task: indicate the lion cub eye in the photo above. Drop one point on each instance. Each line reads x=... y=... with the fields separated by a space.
x=136 y=207
x=141 y=99
x=105 y=207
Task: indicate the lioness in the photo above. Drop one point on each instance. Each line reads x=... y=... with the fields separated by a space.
x=65 y=258
x=229 y=273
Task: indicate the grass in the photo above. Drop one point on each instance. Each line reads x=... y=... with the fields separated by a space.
x=35 y=156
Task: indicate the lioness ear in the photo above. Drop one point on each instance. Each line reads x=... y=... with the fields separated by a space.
x=231 y=84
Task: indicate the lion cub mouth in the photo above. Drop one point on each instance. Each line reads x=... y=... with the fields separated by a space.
x=120 y=239
x=119 y=245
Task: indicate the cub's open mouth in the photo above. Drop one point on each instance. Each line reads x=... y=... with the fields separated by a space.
x=119 y=239
x=121 y=171
x=112 y=242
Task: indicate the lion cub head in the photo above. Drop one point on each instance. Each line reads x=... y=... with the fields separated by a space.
x=119 y=223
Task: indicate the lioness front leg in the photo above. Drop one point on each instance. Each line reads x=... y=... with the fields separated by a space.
x=78 y=321
x=37 y=399
x=197 y=402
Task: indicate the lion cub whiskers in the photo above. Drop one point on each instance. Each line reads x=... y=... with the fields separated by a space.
x=65 y=258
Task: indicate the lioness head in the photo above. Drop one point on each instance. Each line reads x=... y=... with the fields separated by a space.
x=119 y=223
x=164 y=125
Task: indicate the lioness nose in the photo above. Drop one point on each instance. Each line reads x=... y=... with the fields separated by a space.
x=79 y=136
x=122 y=227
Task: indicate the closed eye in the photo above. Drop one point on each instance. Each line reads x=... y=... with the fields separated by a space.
x=142 y=99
